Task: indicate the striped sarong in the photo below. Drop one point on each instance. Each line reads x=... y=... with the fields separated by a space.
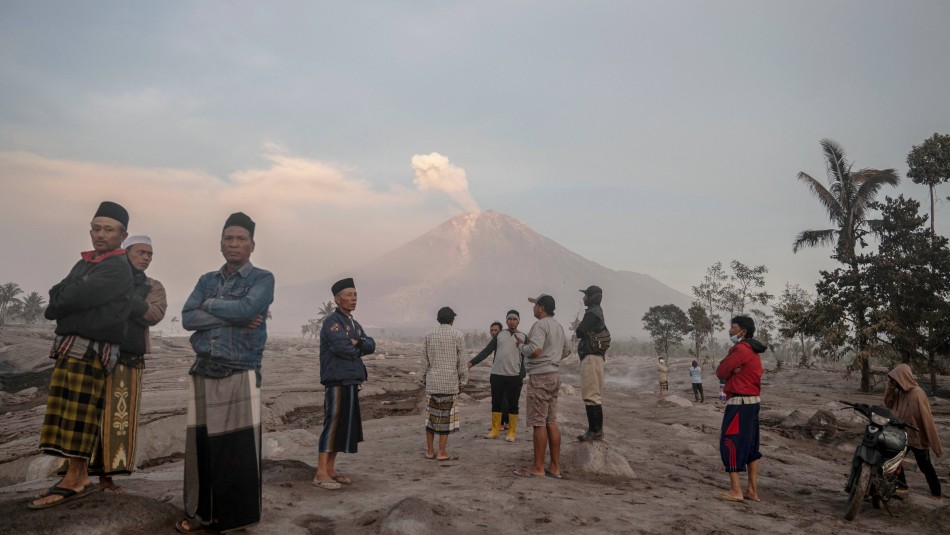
x=222 y=487
x=342 y=425
x=442 y=414
x=120 y=422
x=73 y=408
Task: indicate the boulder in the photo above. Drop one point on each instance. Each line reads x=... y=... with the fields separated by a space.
x=795 y=419
x=675 y=401
x=414 y=516
x=595 y=457
x=822 y=426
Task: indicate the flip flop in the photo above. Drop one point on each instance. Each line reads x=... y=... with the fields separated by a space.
x=451 y=457
x=746 y=497
x=67 y=494
x=430 y=457
x=725 y=496
x=328 y=484
x=180 y=526
x=548 y=473
x=340 y=478
x=521 y=472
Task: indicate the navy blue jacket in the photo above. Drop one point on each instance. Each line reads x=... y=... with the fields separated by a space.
x=341 y=362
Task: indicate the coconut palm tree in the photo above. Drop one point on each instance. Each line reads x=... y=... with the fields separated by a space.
x=326 y=309
x=846 y=199
x=8 y=293
x=33 y=306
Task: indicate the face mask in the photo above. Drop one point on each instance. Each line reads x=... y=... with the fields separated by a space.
x=734 y=339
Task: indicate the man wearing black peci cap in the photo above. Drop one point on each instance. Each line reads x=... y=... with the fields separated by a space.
x=90 y=307
x=343 y=343
x=228 y=312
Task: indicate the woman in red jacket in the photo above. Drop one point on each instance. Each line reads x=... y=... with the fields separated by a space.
x=739 y=440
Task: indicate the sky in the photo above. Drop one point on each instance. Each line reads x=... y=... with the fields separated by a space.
x=655 y=137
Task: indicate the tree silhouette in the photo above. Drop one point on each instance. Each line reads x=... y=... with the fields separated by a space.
x=847 y=199
x=8 y=293
x=667 y=325
x=929 y=163
x=33 y=306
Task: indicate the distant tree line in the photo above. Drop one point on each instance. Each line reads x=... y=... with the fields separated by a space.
x=888 y=303
x=27 y=309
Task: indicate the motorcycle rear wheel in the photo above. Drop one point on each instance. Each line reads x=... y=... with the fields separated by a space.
x=859 y=489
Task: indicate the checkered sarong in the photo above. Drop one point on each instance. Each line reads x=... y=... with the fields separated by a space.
x=73 y=408
x=442 y=414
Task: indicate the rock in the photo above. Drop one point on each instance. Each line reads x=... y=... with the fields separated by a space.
x=414 y=516
x=823 y=426
x=568 y=390
x=795 y=419
x=675 y=401
x=28 y=392
x=595 y=457
x=701 y=449
x=161 y=438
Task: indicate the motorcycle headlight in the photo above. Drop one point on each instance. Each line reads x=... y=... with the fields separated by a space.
x=880 y=420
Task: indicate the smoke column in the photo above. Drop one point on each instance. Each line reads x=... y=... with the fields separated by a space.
x=436 y=172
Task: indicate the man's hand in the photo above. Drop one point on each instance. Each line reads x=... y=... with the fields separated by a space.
x=470 y=365
x=736 y=370
x=355 y=341
x=256 y=322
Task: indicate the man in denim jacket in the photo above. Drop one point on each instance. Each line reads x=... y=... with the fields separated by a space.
x=228 y=312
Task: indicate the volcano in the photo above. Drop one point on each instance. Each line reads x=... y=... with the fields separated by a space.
x=481 y=264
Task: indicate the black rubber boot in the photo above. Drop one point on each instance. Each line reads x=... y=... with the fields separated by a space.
x=598 y=422
x=591 y=424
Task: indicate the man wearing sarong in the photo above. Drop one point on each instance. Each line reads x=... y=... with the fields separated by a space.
x=343 y=342
x=228 y=312
x=444 y=373
x=91 y=307
x=123 y=393
x=545 y=348
x=739 y=437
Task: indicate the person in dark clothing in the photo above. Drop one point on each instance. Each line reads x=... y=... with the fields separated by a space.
x=592 y=363
x=91 y=308
x=343 y=343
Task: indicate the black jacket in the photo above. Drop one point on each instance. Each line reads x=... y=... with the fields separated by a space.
x=93 y=301
x=133 y=346
x=593 y=322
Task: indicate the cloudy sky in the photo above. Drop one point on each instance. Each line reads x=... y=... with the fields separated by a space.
x=656 y=137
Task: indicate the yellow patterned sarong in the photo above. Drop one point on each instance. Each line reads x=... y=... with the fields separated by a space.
x=120 y=420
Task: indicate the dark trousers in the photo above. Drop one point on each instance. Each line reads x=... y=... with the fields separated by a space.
x=926 y=467
x=698 y=391
x=505 y=391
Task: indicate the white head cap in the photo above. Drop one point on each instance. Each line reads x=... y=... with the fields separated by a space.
x=132 y=240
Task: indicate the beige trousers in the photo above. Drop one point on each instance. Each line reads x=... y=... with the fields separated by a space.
x=592 y=379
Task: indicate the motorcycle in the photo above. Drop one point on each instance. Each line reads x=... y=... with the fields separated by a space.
x=877 y=459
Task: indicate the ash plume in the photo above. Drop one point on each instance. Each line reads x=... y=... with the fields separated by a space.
x=436 y=172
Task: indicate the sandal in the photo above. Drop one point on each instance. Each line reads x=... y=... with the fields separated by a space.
x=340 y=478
x=328 y=484
x=67 y=494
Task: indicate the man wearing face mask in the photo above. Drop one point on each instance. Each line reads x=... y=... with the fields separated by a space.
x=592 y=363
x=739 y=439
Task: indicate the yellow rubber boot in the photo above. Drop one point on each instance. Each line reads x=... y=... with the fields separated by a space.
x=495 y=425
x=512 y=427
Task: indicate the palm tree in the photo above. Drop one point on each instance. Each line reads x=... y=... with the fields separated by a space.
x=8 y=293
x=846 y=202
x=847 y=199
x=33 y=306
x=325 y=310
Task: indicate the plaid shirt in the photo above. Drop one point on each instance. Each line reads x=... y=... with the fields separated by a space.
x=444 y=371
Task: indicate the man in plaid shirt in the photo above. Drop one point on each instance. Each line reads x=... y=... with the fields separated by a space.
x=444 y=372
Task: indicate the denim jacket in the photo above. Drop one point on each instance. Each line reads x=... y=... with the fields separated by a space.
x=221 y=340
